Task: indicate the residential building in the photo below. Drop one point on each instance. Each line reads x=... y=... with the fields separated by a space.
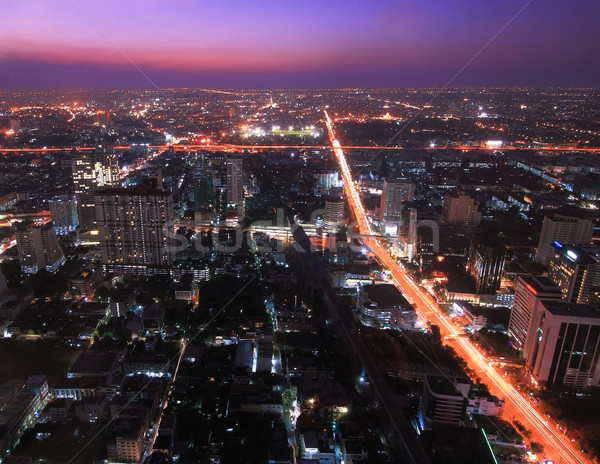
x=38 y=248
x=235 y=190
x=134 y=229
x=393 y=193
x=84 y=283
x=93 y=170
x=126 y=440
x=63 y=211
x=460 y=209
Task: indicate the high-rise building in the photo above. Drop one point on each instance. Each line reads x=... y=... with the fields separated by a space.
x=562 y=228
x=486 y=265
x=334 y=213
x=576 y=271
x=235 y=189
x=133 y=229
x=63 y=211
x=529 y=293
x=566 y=346
x=38 y=248
x=393 y=193
x=407 y=234
x=93 y=170
x=460 y=208
x=204 y=195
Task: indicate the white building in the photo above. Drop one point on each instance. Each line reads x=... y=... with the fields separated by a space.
x=562 y=228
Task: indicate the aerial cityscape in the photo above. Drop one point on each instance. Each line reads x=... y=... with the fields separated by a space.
x=252 y=250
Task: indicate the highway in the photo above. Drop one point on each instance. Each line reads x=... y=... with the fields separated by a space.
x=238 y=148
x=557 y=447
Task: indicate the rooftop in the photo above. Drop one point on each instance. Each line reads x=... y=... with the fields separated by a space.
x=385 y=295
x=562 y=308
x=540 y=284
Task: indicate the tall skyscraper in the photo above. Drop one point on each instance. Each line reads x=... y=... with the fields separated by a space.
x=486 y=265
x=393 y=193
x=529 y=293
x=562 y=228
x=575 y=271
x=566 y=346
x=38 y=248
x=93 y=170
x=63 y=211
x=407 y=233
x=134 y=229
x=334 y=213
x=460 y=209
x=235 y=190
x=204 y=195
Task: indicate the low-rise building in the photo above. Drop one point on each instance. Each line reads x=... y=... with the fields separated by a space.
x=383 y=306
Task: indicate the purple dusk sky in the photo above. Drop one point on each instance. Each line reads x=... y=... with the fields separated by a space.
x=307 y=43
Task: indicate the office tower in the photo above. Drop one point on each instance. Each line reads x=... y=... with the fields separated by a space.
x=334 y=213
x=133 y=229
x=93 y=170
x=529 y=293
x=570 y=230
x=38 y=248
x=63 y=211
x=407 y=234
x=393 y=193
x=575 y=271
x=460 y=208
x=566 y=346
x=486 y=265
x=444 y=400
x=235 y=191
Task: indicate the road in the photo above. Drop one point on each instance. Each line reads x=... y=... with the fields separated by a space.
x=237 y=148
x=557 y=447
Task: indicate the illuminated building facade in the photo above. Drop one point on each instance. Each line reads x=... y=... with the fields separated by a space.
x=334 y=213
x=486 y=265
x=235 y=190
x=393 y=193
x=563 y=229
x=460 y=208
x=38 y=248
x=63 y=211
x=133 y=229
x=529 y=293
x=575 y=271
x=93 y=170
x=407 y=234
x=566 y=346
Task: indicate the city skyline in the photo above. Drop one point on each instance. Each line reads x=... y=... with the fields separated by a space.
x=309 y=45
